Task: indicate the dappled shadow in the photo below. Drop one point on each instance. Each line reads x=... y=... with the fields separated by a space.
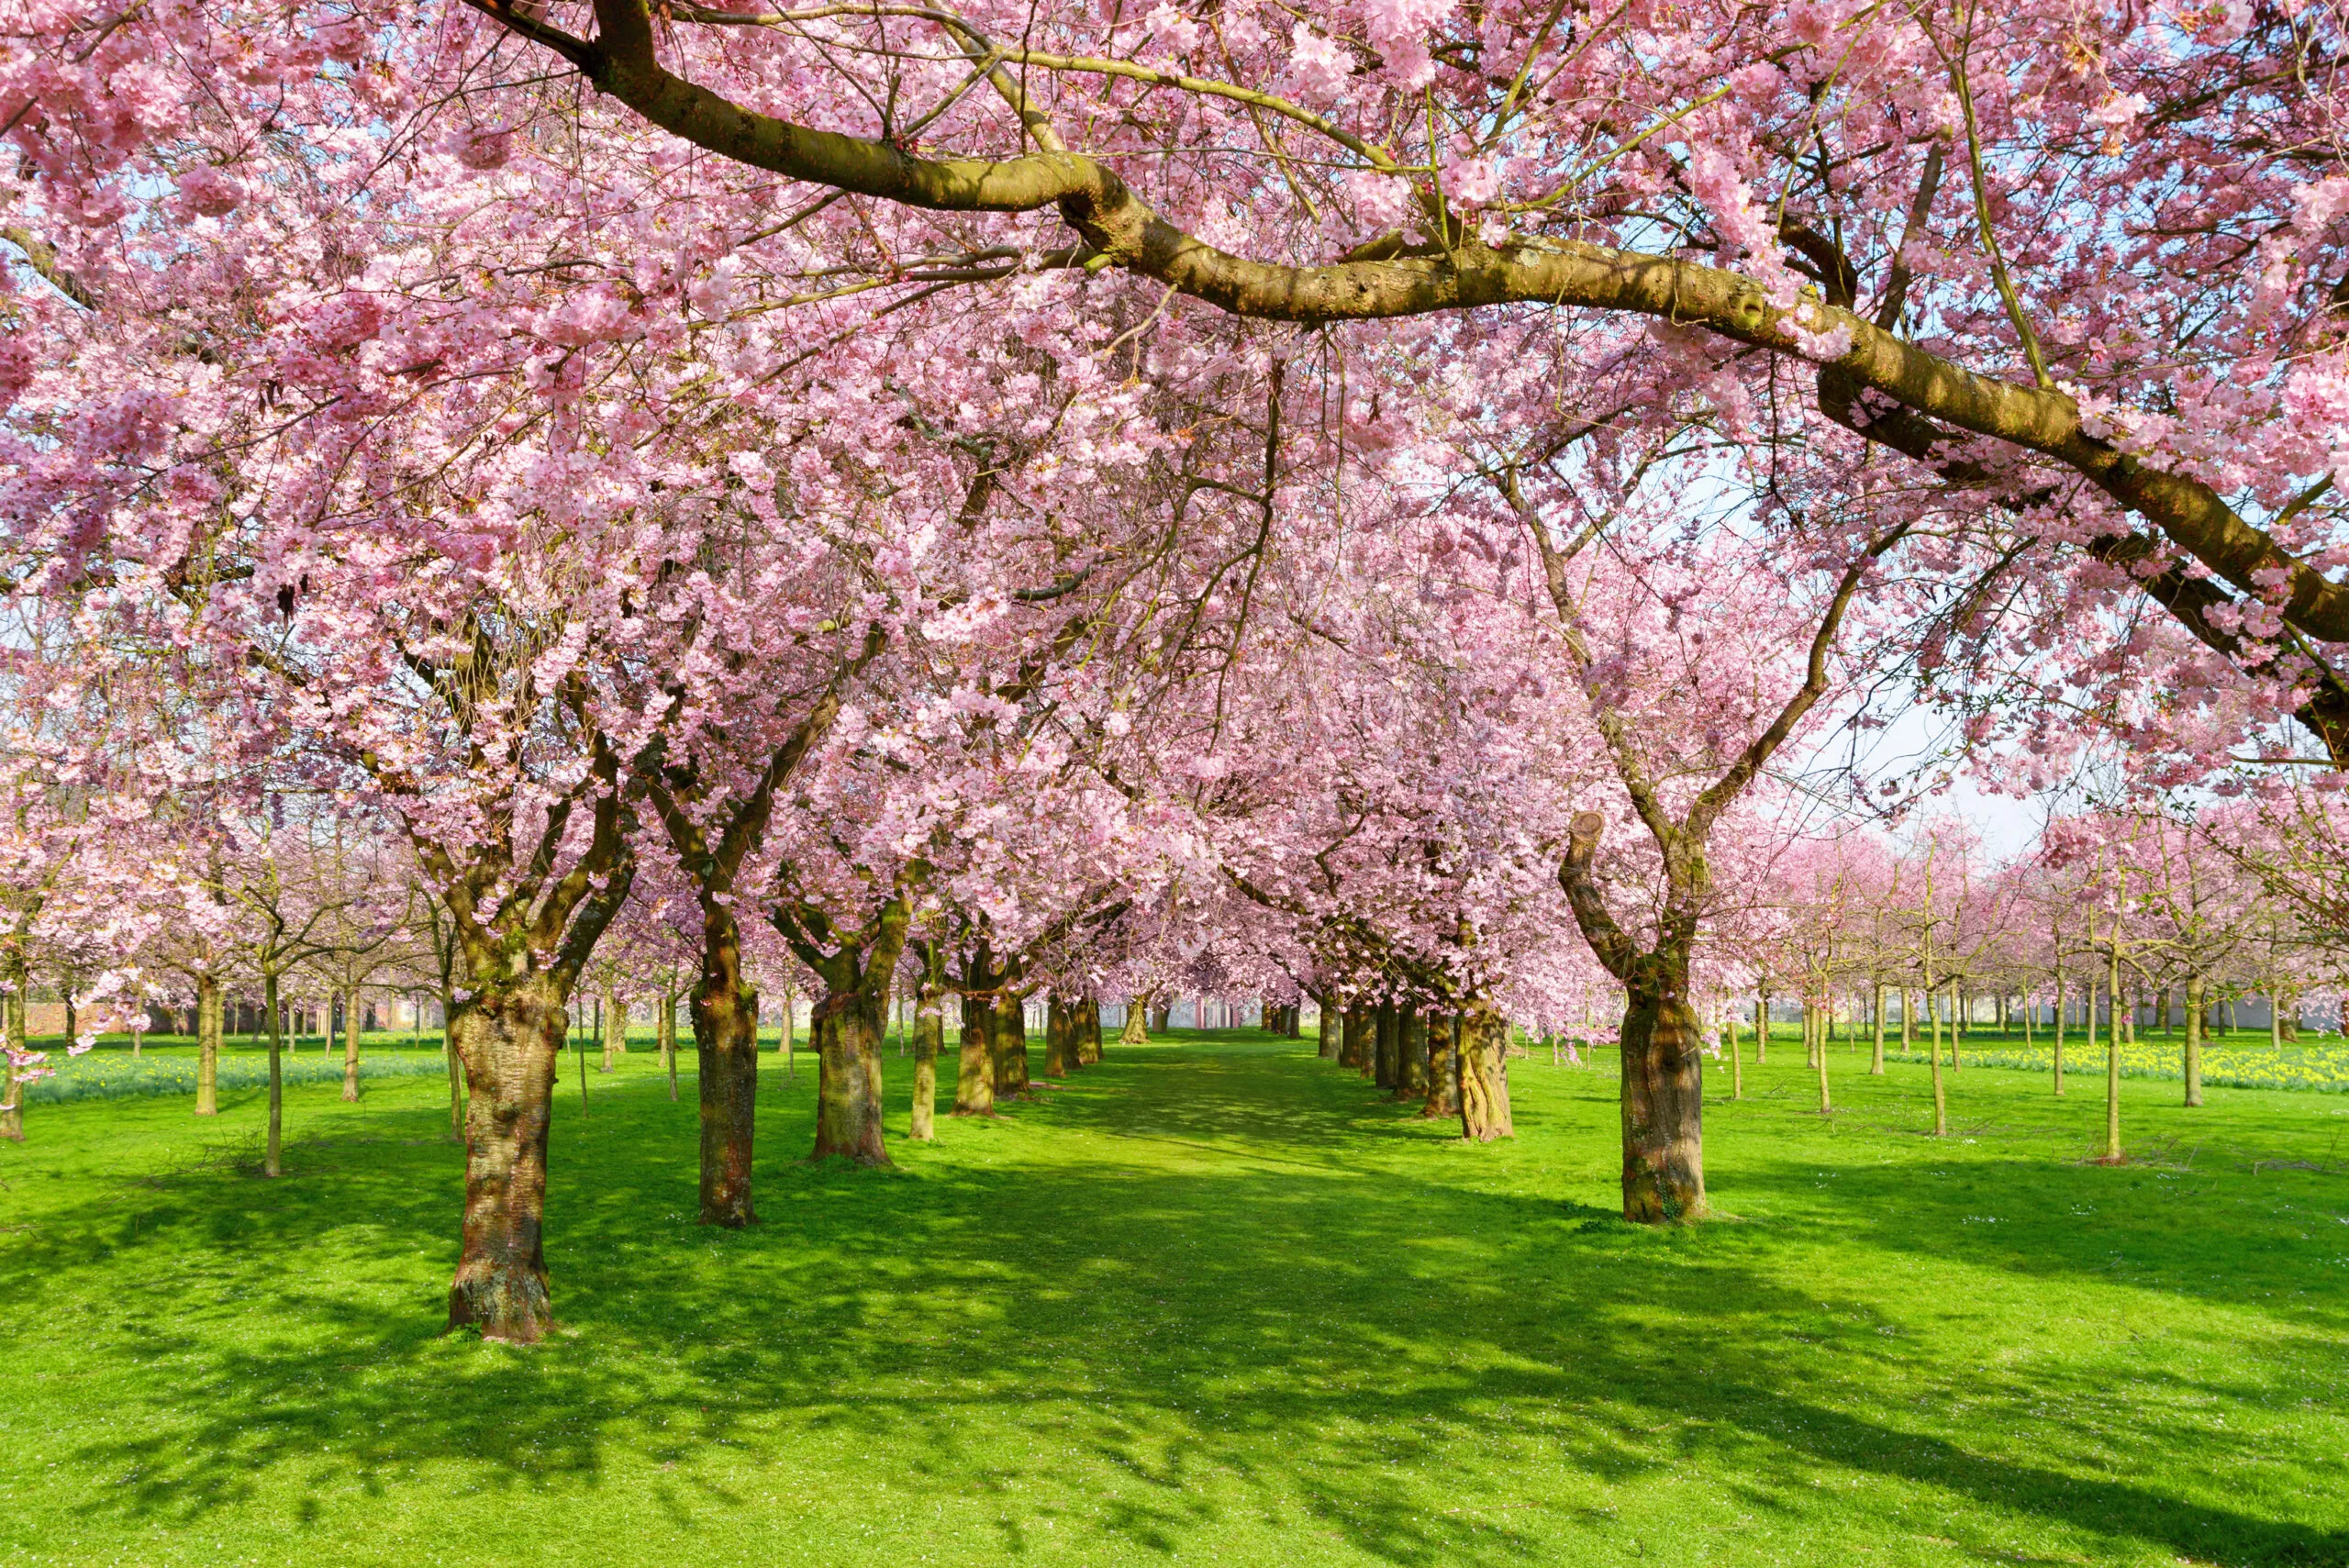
x=1229 y=1279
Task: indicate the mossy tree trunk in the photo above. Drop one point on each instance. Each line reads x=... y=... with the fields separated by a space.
x=1385 y=1064
x=1356 y=1044
x=1010 y=1041
x=855 y=965
x=510 y=1039
x=725 y=1049
x=1411 y=1077
x=1443 y=1066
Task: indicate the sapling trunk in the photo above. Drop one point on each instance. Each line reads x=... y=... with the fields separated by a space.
x=1484 y=1076
x=1941 y=1102
x=209 y=1007
x=1876 y=1053
x=1736 y=1064
x=2063 y=1004
x=975 y=1068
x=666 y=1034
x=1826 y=1105
x=2193 y=1064
x=1760 y=1030
x=2112 y=1155
x=456 y=1066
x=510 y=1039
x=350 y=1044
x=271 y=1164
x=12 y=1109
x=1443 y=1067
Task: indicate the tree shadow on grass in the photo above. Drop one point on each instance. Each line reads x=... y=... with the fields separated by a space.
x=1218 y=1325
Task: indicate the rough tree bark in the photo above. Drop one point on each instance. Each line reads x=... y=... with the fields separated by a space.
x=1354 y=1046
x=1010 y=1042
x=1484 y=1074
x=1060 y=1037
x=1412 y=1080
x=510 y=1039
x=1443 y=1067
x=1088 y=1032
x=1329 y=1044
x=1663 y=1072
x=726 y=1046
x=1386 y=1067
x=975 y=1070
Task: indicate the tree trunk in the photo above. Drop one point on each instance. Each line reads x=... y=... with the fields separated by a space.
x=272 y=1164
x=1875 y=1052
x=1330 y=1045
x=1761 y=1030
x=2061 y=1003
x=2113 y=1062
x=12 y=1117
x=1484 y=1076
x=1060 y=1037
x=1136 y=1029
x=351 y=1017
x=1443 y=1067
x=1940 y=1099
x=1387 y=1045
x=1088 y=1032
x=1160 y=1017
x=1826 y=1105
x=726 y=1044
x=1662 y=1096
x=975 y=1070
x=1411 y=1036
x=1010 y=1041
x=1736 y=1057
x=665 y=1032
x=2194 y=988
x=929 y=1035
x=847 y=1028
x=1355 y=1043
x=208 y=1011
x=510 y=1040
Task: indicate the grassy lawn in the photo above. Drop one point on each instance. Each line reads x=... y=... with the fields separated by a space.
x=1214 y=1301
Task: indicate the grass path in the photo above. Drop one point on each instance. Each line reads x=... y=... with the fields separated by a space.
x=1214 y=1301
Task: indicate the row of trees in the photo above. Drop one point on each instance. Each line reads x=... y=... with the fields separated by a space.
x=809 y=493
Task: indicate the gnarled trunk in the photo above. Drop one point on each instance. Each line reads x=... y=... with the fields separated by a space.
x=975 y=1070
x=1663 y=1094
x=1484 y=1076
x=1443 y=1067
x=510 y=1039
x=847 y=1085
x=726 y=1043
x=208 y=1011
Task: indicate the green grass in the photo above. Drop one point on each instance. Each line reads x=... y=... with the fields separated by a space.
x=1213 y=1302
